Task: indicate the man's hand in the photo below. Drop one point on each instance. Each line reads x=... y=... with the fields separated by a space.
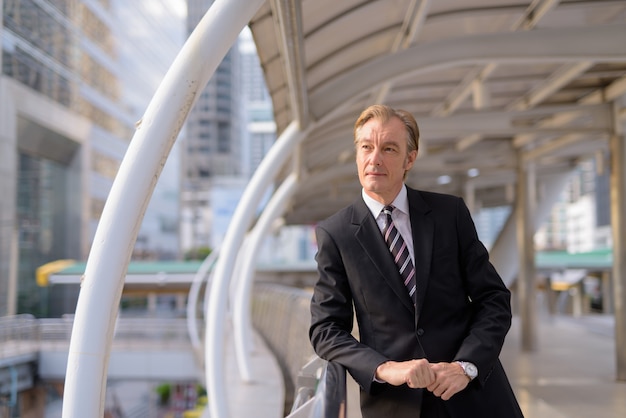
x=415 y=373
x=450 y=380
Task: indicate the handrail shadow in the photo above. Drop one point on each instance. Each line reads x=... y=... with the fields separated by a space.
x=321 y=391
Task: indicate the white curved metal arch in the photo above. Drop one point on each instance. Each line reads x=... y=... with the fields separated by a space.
x=101 y=288
x=242 y=323
x=549 y=45
x=241 y=220
x=192 y=299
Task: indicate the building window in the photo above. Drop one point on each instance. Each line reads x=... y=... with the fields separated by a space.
x=103 y=165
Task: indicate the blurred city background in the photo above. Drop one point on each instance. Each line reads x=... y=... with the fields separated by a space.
x=77 y=76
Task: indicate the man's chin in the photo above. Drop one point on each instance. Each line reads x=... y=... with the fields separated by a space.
x=374 y=191
x=375 y=186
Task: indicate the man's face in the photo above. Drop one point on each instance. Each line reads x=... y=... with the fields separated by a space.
x=382 y=158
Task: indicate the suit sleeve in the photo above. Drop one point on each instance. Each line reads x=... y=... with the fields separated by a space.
x=332 y=316
x=489 y=299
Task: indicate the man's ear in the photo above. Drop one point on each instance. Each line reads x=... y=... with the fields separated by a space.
x=410 y=159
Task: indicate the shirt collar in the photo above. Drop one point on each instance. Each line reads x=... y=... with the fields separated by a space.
x=401 y=202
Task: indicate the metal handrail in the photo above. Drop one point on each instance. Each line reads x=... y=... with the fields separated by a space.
x=20 y=327
x=22 y=334
x=306 y=383
x=322 y=391
x=19 y=335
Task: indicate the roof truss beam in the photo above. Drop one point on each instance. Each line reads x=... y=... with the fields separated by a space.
x=564 y=45
x=410 y=28
x=534 y=12
x=289 y=28
x=556 y=81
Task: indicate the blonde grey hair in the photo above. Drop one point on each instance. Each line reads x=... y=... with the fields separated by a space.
x=383 y=113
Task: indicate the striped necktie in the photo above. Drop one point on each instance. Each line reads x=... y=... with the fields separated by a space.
x=400 y=253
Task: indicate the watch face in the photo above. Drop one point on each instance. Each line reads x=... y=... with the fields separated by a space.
x=471 y=370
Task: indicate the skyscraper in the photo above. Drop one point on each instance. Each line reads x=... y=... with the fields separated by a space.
x=212 y=143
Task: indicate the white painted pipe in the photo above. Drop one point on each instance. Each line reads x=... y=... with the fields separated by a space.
x=102 y=284
x=242 y=318
x=237 y=268
x=240 y=222
x=192 y=300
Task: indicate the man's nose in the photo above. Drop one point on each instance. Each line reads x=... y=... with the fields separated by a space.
x=376 y=158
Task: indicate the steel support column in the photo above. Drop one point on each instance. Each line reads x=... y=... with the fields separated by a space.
x=524 y=210
x=618 y=223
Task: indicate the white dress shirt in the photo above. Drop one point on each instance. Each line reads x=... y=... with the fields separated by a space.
x=400 y=216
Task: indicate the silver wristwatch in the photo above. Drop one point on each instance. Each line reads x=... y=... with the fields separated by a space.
x=469 y=369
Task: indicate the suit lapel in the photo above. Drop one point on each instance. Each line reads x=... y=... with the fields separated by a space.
x=371 y=240
x=423 y=232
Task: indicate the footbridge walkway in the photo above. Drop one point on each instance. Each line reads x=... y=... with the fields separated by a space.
x=571 y=374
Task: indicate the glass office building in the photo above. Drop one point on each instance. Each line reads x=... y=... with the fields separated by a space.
x=66 y=119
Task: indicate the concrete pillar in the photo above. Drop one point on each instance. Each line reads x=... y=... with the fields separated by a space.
x=524 y=211
x=618 y=222
x=8 y=203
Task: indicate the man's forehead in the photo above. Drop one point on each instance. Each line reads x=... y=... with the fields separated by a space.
x=385 y=136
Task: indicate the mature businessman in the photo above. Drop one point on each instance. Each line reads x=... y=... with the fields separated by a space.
x=432 y=311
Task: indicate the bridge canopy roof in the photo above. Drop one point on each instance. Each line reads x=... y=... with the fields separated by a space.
x=490 y=82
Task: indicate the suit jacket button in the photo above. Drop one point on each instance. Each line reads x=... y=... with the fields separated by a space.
x=420 y=332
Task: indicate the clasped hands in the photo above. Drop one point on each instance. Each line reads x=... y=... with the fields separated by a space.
x=442 y=379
